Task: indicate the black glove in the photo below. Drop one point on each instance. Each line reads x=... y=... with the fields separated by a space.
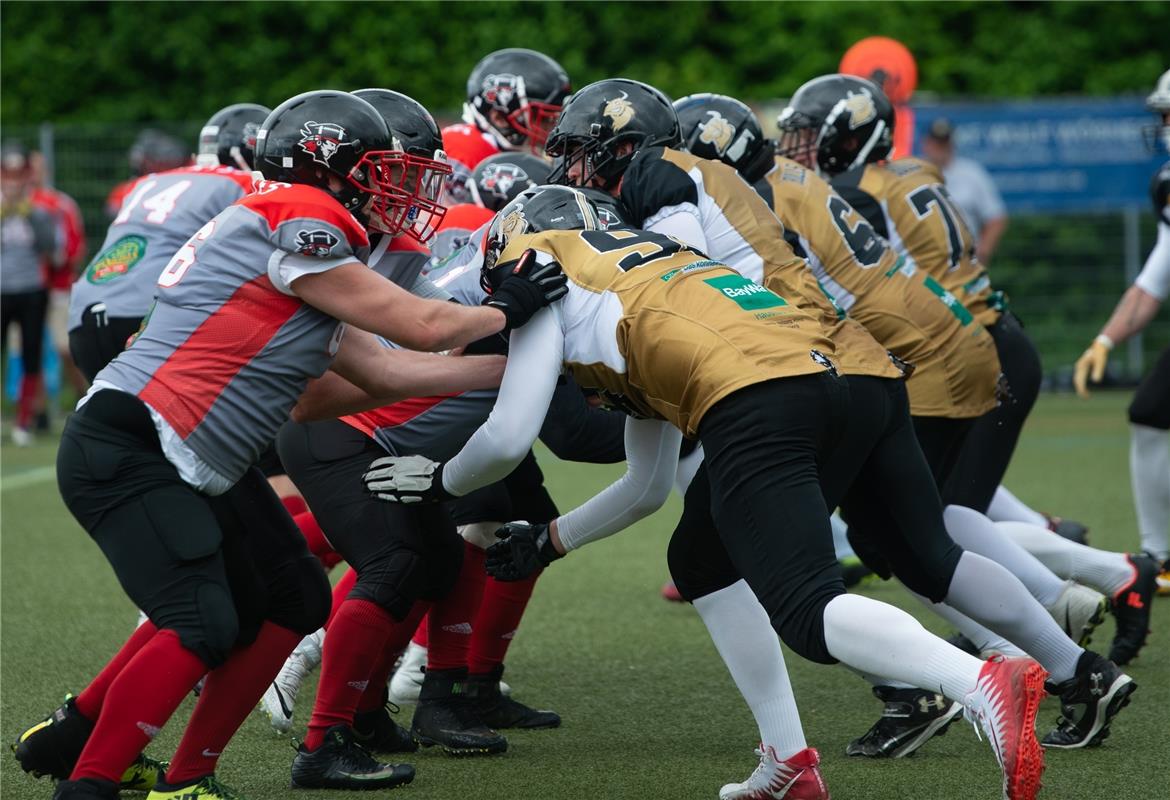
x=522 y=550
x=530 y=287
x=406 y=479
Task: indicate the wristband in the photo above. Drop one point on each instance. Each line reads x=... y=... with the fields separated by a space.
x=1104 y=341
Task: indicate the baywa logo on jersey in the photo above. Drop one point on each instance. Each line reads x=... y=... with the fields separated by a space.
x=116 y=260
x=498 y=179
x=620 y=111
x=322 y=140
x=501 y=90
x=717 y=132
x=860 y=107
x=318 y=242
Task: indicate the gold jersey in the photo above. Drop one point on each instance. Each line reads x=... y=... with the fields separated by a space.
x=665 y=332
x=906 y=201
x=742 y=232
x=956 y=368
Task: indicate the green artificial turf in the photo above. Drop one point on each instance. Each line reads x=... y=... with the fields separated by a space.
x=649 y=711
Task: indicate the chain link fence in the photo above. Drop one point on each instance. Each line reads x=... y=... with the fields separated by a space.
x=1063 y=273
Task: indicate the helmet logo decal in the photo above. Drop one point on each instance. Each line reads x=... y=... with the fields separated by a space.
x=619 y=111
x=716 y=131
x=498 y=179
x=513 y=225
x=500 y=90
x=317 y=242
x=860 y=107
x=322 y=140
x=249 y=135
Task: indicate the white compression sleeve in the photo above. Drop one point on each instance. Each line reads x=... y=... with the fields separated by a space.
x=1149 y=470
x=1006 y=507
x=683 y=223
x=535 y=358
x=981 y=637
x=1106 y=572
x=651 y=459
x=975 y=532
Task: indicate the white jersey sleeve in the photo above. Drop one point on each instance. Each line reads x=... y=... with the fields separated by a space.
x=1154 y=278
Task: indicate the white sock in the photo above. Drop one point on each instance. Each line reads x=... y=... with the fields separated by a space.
x=841 y=538
x=981 y=637
x=1149 y=470
x=975 y=532
x=1006 y=507
x=1106 y=572
x=883 y=640
x=743 y=635
x=992 y=596
x=309 y=649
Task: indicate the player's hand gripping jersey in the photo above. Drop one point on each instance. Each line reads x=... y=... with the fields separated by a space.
x=228 y=347
x=739 y=229
x=906 y=201
x=956 y=368
x=159 y=214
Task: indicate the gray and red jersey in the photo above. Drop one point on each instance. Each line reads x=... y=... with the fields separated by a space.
x=161 y=212
x=228 y=348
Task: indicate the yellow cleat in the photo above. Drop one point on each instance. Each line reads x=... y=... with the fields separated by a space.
x=1164 y=581
x=144 y=774
x=208 y=788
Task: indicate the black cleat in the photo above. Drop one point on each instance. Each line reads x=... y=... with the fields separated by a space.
x=1088 y=703
x=341 y=763
x=909 y=720
x=446 y=716
x=377 y=731
x=53 y=745
x=1068 y=528
x=1131 y=609
x=86 y=789
x=499 y=711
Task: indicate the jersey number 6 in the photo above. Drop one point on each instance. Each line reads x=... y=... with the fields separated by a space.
x=177 y=267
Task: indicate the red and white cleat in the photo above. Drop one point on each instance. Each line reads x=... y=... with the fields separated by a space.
x=1005 y=703
x=670 y=592
x=797 y=778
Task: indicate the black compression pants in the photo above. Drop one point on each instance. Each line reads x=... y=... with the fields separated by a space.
x=1151 y=402
x=99 y=339
x=26 y=309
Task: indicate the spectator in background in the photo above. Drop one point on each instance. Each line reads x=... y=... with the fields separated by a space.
x=28 y=237
x=152 y=151
x=71 y=235
x=970 y=186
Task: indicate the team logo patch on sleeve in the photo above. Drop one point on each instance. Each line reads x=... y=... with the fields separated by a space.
x=317 y=242
x=322 y=140
x=116 y=260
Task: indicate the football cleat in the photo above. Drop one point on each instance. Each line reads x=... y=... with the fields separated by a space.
x=1004 y=703
x=85 y=789
x=911 y=717
x=407 y=680
x=796 y=778
x=1163 y=579
x=144 y=774
x=1070 y=529
x=205 y=788
x=447 y=717
x=1088 y=703
x=281 y=696
x=341 y=763
x=499 y=711
x=378 y=732
x=1131 y=609
x=670 y=593
x=53 y=745
x=1078 y=611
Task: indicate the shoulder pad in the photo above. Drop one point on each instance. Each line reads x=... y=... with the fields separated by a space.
x=652 y=183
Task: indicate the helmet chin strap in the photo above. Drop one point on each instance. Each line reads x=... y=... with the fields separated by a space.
x=870 y=143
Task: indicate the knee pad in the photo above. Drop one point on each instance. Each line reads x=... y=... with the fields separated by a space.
x=209 y=627
x=299 y=595
x=480 y=534
x=394 y=581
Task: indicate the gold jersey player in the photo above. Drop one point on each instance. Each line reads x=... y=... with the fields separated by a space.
x=687 y=345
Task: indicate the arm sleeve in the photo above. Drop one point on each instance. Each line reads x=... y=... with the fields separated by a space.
x=575 y=432
x=287 y=267
x=683 y=223
x=651 y=461
x=1154 y=278
x=535 y=355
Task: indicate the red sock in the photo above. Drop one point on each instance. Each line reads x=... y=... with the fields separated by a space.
x=30 y=387
x=228 y=696
x=340 y=592
x=496 y=623
x=356 y=639
x=420 y=633
x=449 y=624
x=137 y=705
x=294 y=504
x=318 y=545
x=399 y=637
x=89 y=702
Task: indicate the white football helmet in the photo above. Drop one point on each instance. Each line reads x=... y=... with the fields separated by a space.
x=1159 y=103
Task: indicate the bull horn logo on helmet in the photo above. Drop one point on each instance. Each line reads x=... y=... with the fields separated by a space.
x=717 y=132
x=860 y=107
x=513 y=225
x=619 y=111
x=322 y=140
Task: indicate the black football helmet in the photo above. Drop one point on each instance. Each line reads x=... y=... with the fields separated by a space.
x=514 y=96
x=541 y=208
x=611 y=212
x=421 y=167
x=723 y=129
x=229 y=137
x=499 y=179
x=835 y=123
x=600 y=118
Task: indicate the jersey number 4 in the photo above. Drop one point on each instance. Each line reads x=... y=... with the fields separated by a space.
x=645 y=246
x=160 y=204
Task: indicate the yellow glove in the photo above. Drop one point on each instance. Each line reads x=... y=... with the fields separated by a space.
x=1091 y=364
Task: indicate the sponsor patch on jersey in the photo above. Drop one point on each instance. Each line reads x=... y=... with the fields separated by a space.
x=747 y=294
x=116 y=260
x=691 y=268
x=317 y=242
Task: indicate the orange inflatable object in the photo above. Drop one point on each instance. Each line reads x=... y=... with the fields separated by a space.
x=890 y=64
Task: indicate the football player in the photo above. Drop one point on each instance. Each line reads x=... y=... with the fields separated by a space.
x=1149 y=413
x=839 y=126
x=514 y=97
x=688 y=346
x=155 y=463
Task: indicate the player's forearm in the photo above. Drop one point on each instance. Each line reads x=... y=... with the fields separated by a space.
x=989 y=239
x=1134 y=312
x=445 y=325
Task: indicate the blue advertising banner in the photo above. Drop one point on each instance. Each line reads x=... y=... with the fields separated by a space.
x=1055 y=155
